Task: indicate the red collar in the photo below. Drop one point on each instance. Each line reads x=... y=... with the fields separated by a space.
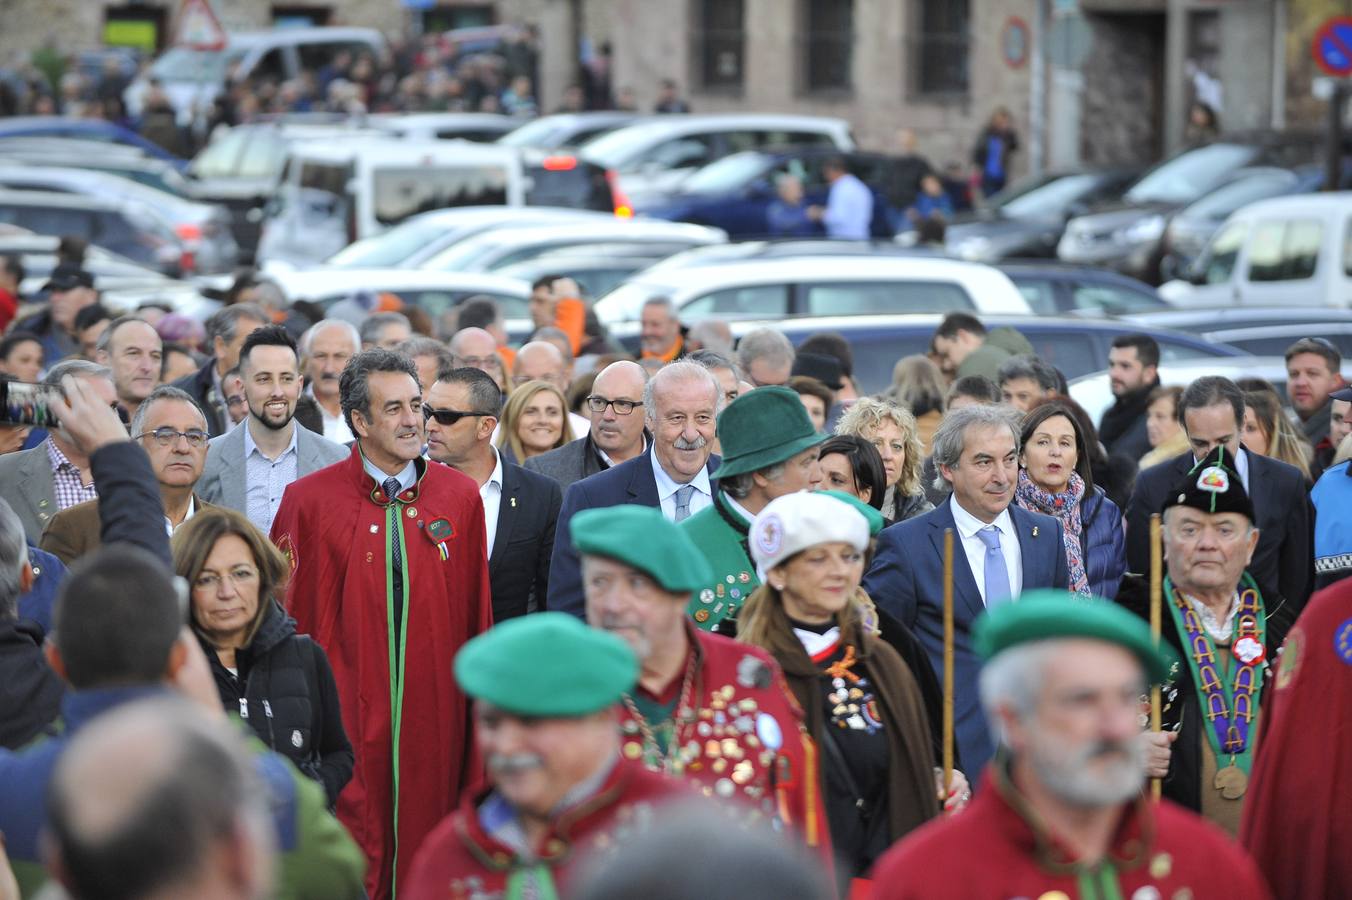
x=374 y=491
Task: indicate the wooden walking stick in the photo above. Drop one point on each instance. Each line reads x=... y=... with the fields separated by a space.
x=1156 y=598
x=948 y=661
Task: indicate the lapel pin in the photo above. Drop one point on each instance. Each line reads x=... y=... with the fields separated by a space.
x=1034 y=531
x=513 y=503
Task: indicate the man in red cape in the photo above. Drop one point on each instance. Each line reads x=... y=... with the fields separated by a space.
x=1296 y=822
x=389 y=575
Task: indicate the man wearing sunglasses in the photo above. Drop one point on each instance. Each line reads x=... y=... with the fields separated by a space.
x=172 y=429
x=521 y=508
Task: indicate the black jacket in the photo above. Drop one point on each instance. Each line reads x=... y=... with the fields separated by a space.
x=1122 y=429
x=200 y=384
x=30 y=692
x=528 y=513
x=285 y=691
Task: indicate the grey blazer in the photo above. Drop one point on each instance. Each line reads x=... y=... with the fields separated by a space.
x=224 y=476
x=573 y=461
x=26 y=485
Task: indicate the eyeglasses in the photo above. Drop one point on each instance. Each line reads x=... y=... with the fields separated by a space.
x=450 y=416
x=238 y=576
x=479 y=362
x=165 y=437
x=622 y=407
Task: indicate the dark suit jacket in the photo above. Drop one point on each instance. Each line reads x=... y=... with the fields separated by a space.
x=519 y=567
x=629 y=482
x=1284 y=558
x=199 y=385
x=906 y=580
x=77 y=530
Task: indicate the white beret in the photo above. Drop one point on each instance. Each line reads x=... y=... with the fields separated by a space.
x=795 y=522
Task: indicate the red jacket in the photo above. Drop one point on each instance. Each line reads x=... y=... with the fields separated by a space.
x=742 y=703
x=336 y=528
x=992 y=849
x=461 y=860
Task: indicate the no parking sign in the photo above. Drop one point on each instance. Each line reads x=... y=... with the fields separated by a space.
x=1332 y=46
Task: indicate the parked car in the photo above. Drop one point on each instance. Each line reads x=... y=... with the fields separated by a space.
x=1126 y=236
x=779 y=289
x=502 y=247
x=202 y=229
x=1026 y=219
x=1094 y=393
x=483 y=127
x=735 y=193
x=793 y=248
x=567 y=129
x=333 y=193
x=1261 y=331
x=651 y=156
x=124 y=227
x=96 y=130
x=596 y=274
x=192 y=79
x=1288 y=250
x=1054 y=289
x=115 y=159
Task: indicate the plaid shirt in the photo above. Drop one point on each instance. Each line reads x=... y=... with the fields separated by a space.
x=66 y=479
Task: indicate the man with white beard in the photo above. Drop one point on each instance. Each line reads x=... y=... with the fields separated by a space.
x=1064 y=811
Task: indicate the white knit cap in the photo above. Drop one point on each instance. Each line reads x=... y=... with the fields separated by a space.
x=794 y=522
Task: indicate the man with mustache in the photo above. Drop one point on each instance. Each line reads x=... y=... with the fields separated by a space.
x=681 y=404
x=326 y=348
x=545 y=690
x=1063 y=813
x=390 y=576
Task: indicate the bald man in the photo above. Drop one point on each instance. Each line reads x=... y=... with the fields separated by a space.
x=615 y=410
x=475 y=348
x=542 y=361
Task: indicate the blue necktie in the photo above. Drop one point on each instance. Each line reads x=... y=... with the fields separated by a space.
x=683 y=495
x=391 y=486
x=997 y=573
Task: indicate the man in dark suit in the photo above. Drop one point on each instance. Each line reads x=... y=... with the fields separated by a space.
x=226 y=330
x=521 y=508
x=615 y=436
x=999 y=551
x=681 y=404
x=1212 y=412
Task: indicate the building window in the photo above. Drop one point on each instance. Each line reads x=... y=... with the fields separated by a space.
x=720 y=44
x=828 y=44
x=939 y=47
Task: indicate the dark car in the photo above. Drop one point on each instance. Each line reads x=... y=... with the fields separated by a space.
x=83 y=129
x=1054 y=289
x=124 y=227
x=1261 y=331
x=735 y=192
x=1026 y=219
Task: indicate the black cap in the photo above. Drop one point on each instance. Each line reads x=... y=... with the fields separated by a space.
x=1342 y=394
x=825 y=369
x=1212 y=486
x=67 y=276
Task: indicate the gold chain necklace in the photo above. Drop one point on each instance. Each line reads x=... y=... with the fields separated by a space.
x=682 y=715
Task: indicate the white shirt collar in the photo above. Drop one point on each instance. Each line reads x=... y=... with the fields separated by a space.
x=406 y=477
x=192 y=511
x=250 y=446
x=667 y=487
x=496 y=477
x=815 y=643
x=739 y=508
x=606 y=456
x=968 y=525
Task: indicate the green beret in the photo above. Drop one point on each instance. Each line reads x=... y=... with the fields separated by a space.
x=641 y=537
x=1212 y=486
x=764 y=428
x=547 y=665
x=1049 y=614
x=874 y=517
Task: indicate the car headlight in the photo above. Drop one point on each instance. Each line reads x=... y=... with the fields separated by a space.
x=1141 y=232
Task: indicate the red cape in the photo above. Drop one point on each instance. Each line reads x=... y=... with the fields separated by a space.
x=1297 y=822
x=335 y=527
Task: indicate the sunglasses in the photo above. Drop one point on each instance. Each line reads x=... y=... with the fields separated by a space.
x=449 y=416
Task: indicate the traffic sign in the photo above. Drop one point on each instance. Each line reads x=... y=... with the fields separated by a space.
x=197 y=27
x=1332 y=46
x=1014 y=42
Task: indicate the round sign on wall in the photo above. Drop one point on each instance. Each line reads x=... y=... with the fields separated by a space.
x=1014 y=42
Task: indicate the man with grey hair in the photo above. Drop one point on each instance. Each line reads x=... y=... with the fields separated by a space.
x=1062 y=686
x=1000 y=550
x=132 y=349
x=54 y=475
x=660 y=332
x=681 y=403
x=1026 y=380
x=226 y=330
x=325 y=349
x=386 y=330
x=617 y=434
x=429 y=356
x=30 y=692
x=765 y=357
x=710 y=334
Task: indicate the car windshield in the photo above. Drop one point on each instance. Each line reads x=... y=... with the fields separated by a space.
x=615 y=149
x=540 y=133
x=727 y=174
x=1190 y=174
x=201 y=66
x=1047 y=199
x=1226 y=199
x=390 y=248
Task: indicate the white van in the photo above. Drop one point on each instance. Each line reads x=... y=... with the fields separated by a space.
x=332 y=193
x=1288 y=251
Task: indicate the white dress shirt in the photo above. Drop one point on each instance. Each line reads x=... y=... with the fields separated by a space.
x=192 y=511
x=335 y=427
x=702 y=498
x=491 y=494
x=406 y=477
x=967 y=525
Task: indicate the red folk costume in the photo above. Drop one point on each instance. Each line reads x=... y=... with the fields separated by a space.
x=462 y=861
x=996 y=848
x=738 y=732
x=391 y=590
x=1296 y=821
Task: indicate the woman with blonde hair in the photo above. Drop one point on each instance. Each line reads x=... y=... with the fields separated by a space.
x=1162 y=428
x=534 y=421
x=918 y=385
x=892 y=429
x=1268 y=432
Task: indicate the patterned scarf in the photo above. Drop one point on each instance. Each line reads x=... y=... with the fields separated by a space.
x=1066 y=507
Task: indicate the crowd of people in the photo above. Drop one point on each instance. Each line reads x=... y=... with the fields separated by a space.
x=374 y=606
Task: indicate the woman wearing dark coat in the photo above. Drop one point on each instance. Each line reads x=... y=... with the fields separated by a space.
x=1055 y=479
x=277 y=680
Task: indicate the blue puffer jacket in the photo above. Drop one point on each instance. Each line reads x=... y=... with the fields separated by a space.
x=1104 y=544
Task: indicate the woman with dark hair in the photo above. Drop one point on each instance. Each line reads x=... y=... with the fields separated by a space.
x=1055 y=478
x=852 y=465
